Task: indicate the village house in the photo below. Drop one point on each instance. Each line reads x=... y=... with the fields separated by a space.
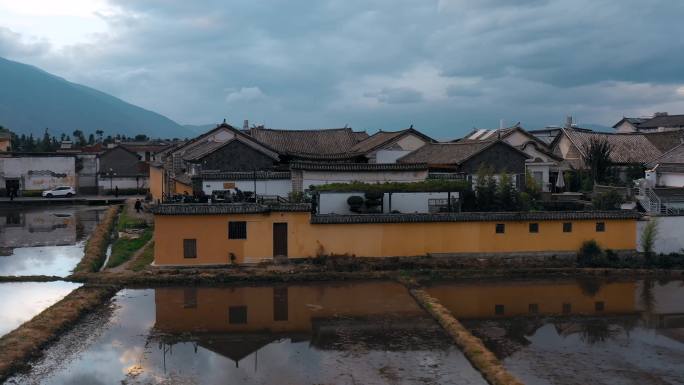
x=659 y=122
x=668 y=169
x=218 y=234
x=31 y=173
x=227 y=158
x=465 y=159
x=5 y=140
x=543 y=165
x=121 y=169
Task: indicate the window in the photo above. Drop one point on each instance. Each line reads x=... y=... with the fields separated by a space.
x=237 y=315
x=538 y=178
x=534 y=227
x=533 y=308
x=237 y=230
x=500 y=228
x=499 y=309
x=567 y=308
x=599 y=306
x=567 y=227
x=189 y=248
x=600 y=227
x=190 y=297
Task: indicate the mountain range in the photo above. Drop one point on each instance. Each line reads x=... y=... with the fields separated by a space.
x=32 y=100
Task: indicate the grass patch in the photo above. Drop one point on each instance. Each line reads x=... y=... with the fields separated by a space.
x=96 y=247
x=123 y=249
x=128 y=222
x=144 y=259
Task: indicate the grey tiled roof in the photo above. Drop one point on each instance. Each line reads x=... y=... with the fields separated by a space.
x=627 y=148
x=473 y=217
x=312 y=142
x=674 y=156
x=445 y=153
x=382 y=138
x=226 y=208
x=666 y=140
x=663 y=121
x=244 y=175
x=322 y=166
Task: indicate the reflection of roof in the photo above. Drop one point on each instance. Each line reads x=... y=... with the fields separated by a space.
x=235 y=346
x=473 y=217
x=313 y=142
x=626 y=148
x=322 y=166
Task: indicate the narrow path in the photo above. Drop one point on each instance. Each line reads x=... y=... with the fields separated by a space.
x=124 y=266
x=472 y=347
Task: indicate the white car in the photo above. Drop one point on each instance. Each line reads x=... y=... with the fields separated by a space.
x=61 y=191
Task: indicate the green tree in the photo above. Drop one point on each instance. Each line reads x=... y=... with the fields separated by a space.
x=506 y=195
x=649 y=236
x=485 y=188
x=598 y=158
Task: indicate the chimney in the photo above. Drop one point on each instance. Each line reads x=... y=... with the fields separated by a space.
x=568 y=121
x=245 y=125
x=501 y=125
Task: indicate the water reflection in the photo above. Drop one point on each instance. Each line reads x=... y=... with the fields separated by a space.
x=370 y=333
x=21 y=301
x=571 y=332
x=44 y=241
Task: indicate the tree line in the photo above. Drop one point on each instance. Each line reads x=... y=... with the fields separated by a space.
x=51 y=143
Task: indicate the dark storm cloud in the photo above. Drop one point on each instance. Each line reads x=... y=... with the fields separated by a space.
x=444 y=66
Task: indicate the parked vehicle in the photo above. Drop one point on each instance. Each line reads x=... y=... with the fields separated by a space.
x=61 y=191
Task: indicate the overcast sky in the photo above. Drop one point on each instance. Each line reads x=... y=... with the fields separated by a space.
x=444 y=66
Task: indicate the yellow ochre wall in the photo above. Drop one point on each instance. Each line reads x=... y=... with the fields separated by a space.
x=182 y=188
x=303 y=303
x=156 y=182
x=372 y=240
x=479 y=300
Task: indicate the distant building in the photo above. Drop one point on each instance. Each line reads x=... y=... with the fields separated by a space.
x=122 y=169
x=543 y=165
x=31 y=173
x=660 y=121
x=466 y=158
x=5 y=140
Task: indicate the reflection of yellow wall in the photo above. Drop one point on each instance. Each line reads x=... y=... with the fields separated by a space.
x=371 y=240
x=303 y=304
x=156 y=182
x=479 y=300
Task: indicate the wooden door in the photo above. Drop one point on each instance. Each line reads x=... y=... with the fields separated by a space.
x=280 y=239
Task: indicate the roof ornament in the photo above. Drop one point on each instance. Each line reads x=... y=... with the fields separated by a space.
x=411 y=127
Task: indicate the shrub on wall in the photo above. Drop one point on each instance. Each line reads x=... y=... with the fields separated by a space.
x=590 y=254
x=649 y=236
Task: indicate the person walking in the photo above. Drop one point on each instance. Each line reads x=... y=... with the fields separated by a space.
x=116 y=191
x=138 y=206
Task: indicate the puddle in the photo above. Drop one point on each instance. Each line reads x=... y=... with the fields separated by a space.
x=44 y=241
x=361 y=333
x=577 y=332
x=22 y=301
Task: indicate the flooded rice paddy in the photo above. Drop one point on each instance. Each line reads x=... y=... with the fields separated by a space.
x=361 y=333
x=21 y=301
x=577 y=332
x=44 y=241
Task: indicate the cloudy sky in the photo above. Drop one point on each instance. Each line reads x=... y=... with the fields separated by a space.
x=444 y=66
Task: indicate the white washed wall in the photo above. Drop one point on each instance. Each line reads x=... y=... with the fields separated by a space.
x=104 y=183
x=671 y=179
x=280 y=187
x=36 y=171
x=670 y=234
x=336 y=202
